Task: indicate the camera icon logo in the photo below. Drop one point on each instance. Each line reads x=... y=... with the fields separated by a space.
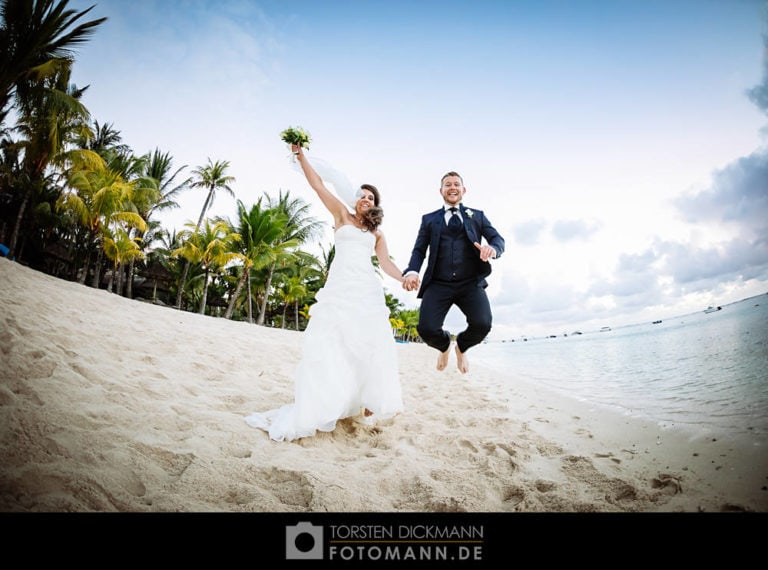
x=304 y=541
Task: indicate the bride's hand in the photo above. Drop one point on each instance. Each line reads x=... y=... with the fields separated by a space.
x=296 y=149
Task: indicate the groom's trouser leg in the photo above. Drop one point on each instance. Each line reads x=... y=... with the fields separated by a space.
x=435 y=304
x=473 y=302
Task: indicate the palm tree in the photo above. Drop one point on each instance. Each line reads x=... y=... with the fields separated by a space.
x=297 y=287
x=120 y=248
x=299 y=228
x=160 y=244
x=34 y=33
x=51 y=117
x=107 y=142
x=99 y=199
x=259 y=229
x=155 y=188
x=156 y=191
x=327 y=261
x=212 y=246
x=10 y=173
x=211 y=177
x=301 y=225
x=159 y=166
x=393 y=304
x=410 y=320
x=103 y=139
x=146 y=193
x=396 y=324
x=282 y=257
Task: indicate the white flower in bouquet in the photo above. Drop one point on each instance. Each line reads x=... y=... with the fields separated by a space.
x=297 y=136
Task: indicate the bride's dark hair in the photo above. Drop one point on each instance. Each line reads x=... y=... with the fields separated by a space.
x=373 y=217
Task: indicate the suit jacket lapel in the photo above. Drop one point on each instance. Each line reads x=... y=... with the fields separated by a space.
x=469 y=227
x=437 y=226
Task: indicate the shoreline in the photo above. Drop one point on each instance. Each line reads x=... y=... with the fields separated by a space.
x=739 y=436
x=116 y=405
x=686 y=461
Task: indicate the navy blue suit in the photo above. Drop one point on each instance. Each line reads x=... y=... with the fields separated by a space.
x=455 y=275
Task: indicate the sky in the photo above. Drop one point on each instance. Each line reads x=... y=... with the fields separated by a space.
x=618 y=146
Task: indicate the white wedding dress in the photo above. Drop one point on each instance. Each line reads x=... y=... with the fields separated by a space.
x=349 y=361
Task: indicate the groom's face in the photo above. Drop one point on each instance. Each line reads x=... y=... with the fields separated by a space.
x=452 y=190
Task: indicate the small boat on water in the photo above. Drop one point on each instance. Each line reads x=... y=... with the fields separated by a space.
x=605 y=329
x=712 y=309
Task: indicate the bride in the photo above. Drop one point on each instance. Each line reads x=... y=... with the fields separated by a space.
x=348 y=366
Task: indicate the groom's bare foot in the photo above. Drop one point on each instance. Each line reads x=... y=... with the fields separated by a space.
x=442 y=360
x=461 y=361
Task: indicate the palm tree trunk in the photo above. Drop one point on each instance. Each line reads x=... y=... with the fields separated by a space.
x=17 y=226
x=20 y=254
x=205 y=293
x=120 y=270
x=296 y=307
x=111 y=280
x=236 y=294
x=205 y=208
x=250 y=300
x=84 y=276
x=182 y=281
x=285 y=311
x=71 y=266
x=97 y=269
x=129 y=282
x=260 y=320
x=87 y=264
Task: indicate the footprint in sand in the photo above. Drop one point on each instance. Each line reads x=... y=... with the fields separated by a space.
x=513 y=496
x=582 y=470
x=239 y=452
x=545 y=486
x=174 y=464
x=239 y=495
x=585 y=432
x=608 y=456
x=289 y=487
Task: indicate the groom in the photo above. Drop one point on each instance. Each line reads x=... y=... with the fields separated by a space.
x=456 y=271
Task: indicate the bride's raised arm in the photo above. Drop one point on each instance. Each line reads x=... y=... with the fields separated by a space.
x=334 y=205
x=344 y=189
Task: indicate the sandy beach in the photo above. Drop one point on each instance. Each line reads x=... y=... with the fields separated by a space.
x=118 y=405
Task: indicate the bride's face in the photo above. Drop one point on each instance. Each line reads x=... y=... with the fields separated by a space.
x=366 y=202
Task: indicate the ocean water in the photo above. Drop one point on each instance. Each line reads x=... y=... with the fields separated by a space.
x=705 y=373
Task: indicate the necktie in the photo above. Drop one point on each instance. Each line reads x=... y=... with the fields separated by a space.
x=454 y=221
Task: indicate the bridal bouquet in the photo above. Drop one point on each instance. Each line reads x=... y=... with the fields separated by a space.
x=296 y=136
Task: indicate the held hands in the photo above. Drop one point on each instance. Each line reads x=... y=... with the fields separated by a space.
x=486 y=252
x=411 y=282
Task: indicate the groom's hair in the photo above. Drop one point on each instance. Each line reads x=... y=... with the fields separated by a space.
x=373 y=217
x=451 y=173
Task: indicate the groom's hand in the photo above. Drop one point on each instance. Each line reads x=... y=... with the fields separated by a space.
x=411 y=282
x=486 y=252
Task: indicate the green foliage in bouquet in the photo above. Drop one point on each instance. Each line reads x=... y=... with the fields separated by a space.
x=297 y=136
